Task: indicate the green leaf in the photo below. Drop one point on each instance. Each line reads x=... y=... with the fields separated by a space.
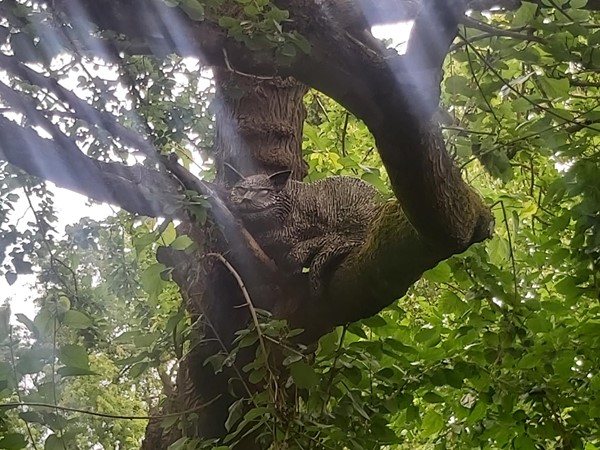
x=529 y=361
x=327 y=344
x=568 y=287
x=76 y=320
x=426 y=334
x=193 y=8
x=181 y=243
x=524 y=442
x=304 y=375
x=23 y=47
x=53 y=442
x=555 y=88
x=30 y=324
x=74 y=355
x=143 y=241
x=577 y=4
x=151 y=280
x=432 y=423
x=439 y=274
x=4 y=322
x=524 y=15
x=138 y=369
x=13 y=441
x=29 y=362
x=375 y=321
x=357 y=330
x=236 y=412
x=32 y=417
x=498 y=250
x=146 y=340
x=452 y=303
x=228 y=22
x=432 y=397
x=595 y=382
x=58 y=305
x=44 y=321
x=477 y=413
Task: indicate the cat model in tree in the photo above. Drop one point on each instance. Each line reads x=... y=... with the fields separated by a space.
x=300 y=225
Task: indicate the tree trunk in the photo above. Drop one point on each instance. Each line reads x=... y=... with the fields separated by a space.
x=259 y=124
x=259 y=130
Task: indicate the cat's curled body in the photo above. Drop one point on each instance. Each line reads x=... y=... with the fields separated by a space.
x=300 y=225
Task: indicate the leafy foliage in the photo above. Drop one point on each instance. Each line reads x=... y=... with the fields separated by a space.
x=496 y=348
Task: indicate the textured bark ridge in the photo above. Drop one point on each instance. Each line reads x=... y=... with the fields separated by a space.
x=255 y=133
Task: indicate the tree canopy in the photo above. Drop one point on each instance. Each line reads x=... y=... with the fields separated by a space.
x=497 y=347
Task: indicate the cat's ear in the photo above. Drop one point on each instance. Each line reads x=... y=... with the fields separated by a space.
x=232 y=176
x=279 y=179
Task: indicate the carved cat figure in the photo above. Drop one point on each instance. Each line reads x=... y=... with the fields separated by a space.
x=305 y=225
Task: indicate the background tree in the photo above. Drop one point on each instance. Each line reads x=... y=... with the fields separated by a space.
x=488 y=350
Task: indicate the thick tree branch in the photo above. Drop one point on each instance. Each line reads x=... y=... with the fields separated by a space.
x=81 y=109
x=136 y=189
x=394 y=96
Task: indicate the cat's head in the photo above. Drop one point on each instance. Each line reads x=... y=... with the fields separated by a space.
x=257 y=194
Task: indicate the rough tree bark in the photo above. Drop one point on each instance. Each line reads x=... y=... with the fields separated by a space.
x=406 y=239
x=434 y=216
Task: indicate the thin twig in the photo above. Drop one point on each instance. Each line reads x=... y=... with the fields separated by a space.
x=519 y=94
x=237 y=72
x=481 y=26
x=333 y=370
x=14 y=368
x=344 y=131
x=485 y=99
x=109 y=416
x=54 y=395
x=512 y=253
x=248 y=301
